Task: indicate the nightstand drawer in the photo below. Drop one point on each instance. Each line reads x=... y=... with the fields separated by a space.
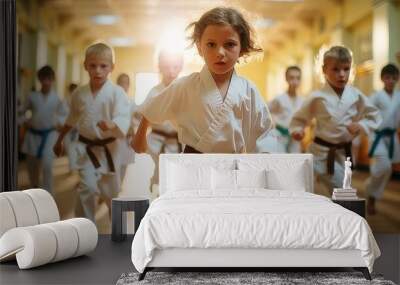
x=357 y=206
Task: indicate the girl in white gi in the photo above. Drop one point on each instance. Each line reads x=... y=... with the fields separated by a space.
x=128 y=155
x=384 y=143
x=341 y=112
x=215 y=110
x=282 y=108
x=48 y=113
x=100 y=111
x=163 y=137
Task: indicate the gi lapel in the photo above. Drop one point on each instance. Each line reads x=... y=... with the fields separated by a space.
x=219 y=108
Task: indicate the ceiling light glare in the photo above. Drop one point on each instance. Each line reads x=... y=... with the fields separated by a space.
x=121 y=41
x=105 y=20
x=264 y=23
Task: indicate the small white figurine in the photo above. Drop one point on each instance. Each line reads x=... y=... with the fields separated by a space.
x=347 y=174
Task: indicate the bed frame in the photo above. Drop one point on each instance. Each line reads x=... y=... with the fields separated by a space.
x=246 y=259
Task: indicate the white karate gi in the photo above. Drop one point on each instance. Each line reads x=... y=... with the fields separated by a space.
x=333 y=114
x=207 y=122
x=282 y=109
x=48 y=112
x=70 y=141
x=110 y=104
x=158 y=143
x=128 y=154
x=381 y=167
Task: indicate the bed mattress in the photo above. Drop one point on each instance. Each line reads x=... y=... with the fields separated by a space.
x=250 y=219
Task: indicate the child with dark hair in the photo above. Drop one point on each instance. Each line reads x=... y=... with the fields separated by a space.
x=384 y=143
x=282 y=108
x=48 y=113
x=71 y=138
x=214 y=110
x=341 y=112
x=127 y=153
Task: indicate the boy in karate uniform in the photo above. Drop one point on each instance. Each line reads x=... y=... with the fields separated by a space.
x=71 y=138
x=48 y=113
x=282 y=109
x=128 y=155
x=100 y=111
x=341 y=112
x=163 y=137
x=384 y=143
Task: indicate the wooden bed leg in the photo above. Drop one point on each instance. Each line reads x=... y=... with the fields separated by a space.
x=143 y=274
x=364 y=271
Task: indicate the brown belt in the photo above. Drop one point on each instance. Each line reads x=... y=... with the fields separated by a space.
x=98 y=142
x=189 y=149
x=332 y=150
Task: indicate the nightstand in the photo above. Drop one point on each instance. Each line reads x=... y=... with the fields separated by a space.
x=356 y=205
x=119 y=208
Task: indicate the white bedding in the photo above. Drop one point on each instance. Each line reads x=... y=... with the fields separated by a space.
x=251 y=218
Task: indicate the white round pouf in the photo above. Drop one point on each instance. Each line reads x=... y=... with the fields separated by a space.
x=67 y=240
x=33 y=246
x=6 y=216
x=45 y=205
x=31 y=232
x=23 y=208
x=87 y=234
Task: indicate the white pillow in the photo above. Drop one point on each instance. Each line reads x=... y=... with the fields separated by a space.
x=281 y=174
x=236 y=179
x=251 y=178
x=182 y=177
x=223 y=179
x=279 y=180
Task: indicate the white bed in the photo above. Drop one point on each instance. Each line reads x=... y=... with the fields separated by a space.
x=200 y=223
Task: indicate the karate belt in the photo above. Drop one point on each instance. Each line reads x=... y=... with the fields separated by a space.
x=98 y=142
x=44 y=134
x=167 y=135
x=387 y=132
x=332 y=151
x=284 y=132
x=189 y=149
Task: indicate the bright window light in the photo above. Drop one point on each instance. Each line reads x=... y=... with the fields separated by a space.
x=172 y=38
x=264 y=23
x=105 y=19
x=144 y=81
x=121 y=41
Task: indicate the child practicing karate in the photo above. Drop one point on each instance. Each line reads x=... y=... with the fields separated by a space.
x=214 y=110
x=341 y=112
x=163 y=137
x=48 y=114
x=100 y=111
x=384 y=143
x=282 y=109
x=127 y=153
x=71 y=138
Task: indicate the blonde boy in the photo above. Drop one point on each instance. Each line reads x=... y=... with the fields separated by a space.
x=341 y=112
x=100 y=111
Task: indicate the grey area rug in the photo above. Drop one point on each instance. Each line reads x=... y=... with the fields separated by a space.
x=228 y=278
